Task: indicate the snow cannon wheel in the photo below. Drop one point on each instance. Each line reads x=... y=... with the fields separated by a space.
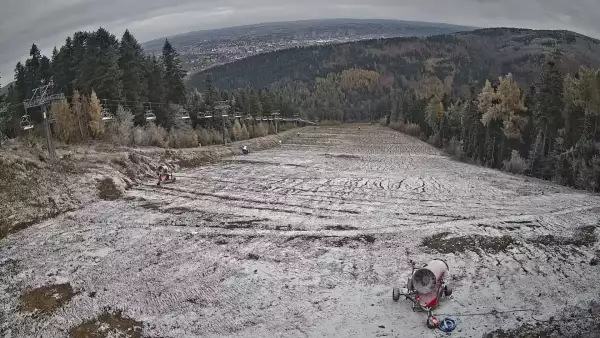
x=395 y=294
x=447 y=290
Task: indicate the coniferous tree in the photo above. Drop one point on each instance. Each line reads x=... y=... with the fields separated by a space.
x=33 y=67
x=131 y=62
x=173 y=75
x=21 y=82
x=549 y=103
x=154 y=74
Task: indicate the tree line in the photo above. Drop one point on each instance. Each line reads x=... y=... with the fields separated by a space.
x=548 y=130
x=116 y=70
x=98 y=73
x=532 y=120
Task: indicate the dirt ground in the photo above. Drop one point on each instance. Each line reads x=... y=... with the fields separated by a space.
x=307 y=240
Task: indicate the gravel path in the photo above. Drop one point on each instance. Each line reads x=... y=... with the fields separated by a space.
x=307 y=240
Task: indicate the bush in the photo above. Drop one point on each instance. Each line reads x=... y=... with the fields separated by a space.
x=516 y=164
x=205 y=137
x=271 y=128
x=217 y=137
x=434 y=139
x=182 y=138
x=66 y=121
x=260 y=130
x=455 y=149
x=138 y=136
x=150 y=136
x=397 y=125
x=412 y=129
x=95 y=116
x=236 y=131
x=330 y=123
x=245 y=133
x=121 y=130
x=286 y=126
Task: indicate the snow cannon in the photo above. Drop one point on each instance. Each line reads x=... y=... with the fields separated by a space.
x=427 y=278
x=425 y=288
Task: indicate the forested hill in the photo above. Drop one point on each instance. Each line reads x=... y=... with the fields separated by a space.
x=455 y=60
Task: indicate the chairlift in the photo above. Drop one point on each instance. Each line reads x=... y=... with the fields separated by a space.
x=26 y=122
x=149 y=115
x=106 y=115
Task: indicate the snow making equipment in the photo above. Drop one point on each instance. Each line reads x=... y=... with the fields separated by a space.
x=425 y=288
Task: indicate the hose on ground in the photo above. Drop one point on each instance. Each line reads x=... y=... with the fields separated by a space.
x=447 y=325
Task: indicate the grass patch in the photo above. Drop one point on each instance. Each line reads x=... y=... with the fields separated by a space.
x=583 y=236
x=335 y=241
x=46 y=299
x=108 y=325
x=476 y=243
x=108 y=190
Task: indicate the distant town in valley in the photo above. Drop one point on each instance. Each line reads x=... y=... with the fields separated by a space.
x=200 y=50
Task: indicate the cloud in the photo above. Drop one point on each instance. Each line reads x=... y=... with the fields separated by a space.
x=47 y=23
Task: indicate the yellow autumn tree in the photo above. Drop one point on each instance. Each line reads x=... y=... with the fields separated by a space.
x=95 y=116
x=505 y=104
x=358 y=78
x=434 y=114
x=67 y=128
x=512 y=108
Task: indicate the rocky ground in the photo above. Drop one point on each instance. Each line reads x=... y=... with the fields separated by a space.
x=308 y=239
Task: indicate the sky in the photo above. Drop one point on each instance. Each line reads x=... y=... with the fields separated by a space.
x=48 y=22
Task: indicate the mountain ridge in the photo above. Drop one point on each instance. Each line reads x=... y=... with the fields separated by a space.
x=333 y=20
x=203 y=49
x=466 y=57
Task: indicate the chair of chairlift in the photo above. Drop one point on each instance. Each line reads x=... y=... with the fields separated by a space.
x=149 y=115
x=106 y=115
x=185 y=115
x=26 y=122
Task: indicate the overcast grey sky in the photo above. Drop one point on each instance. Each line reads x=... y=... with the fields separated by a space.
x=48 y=22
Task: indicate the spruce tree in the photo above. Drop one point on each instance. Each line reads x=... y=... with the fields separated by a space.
x=173 y=75
x=549 y=103
x=131 y=63
x=155 y=87
x=33 y=68
x=21 y=82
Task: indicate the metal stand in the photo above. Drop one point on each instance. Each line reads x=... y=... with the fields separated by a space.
x=43 y=97
x=51 y=150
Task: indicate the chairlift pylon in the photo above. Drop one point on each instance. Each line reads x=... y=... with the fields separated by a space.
x=25 y=122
